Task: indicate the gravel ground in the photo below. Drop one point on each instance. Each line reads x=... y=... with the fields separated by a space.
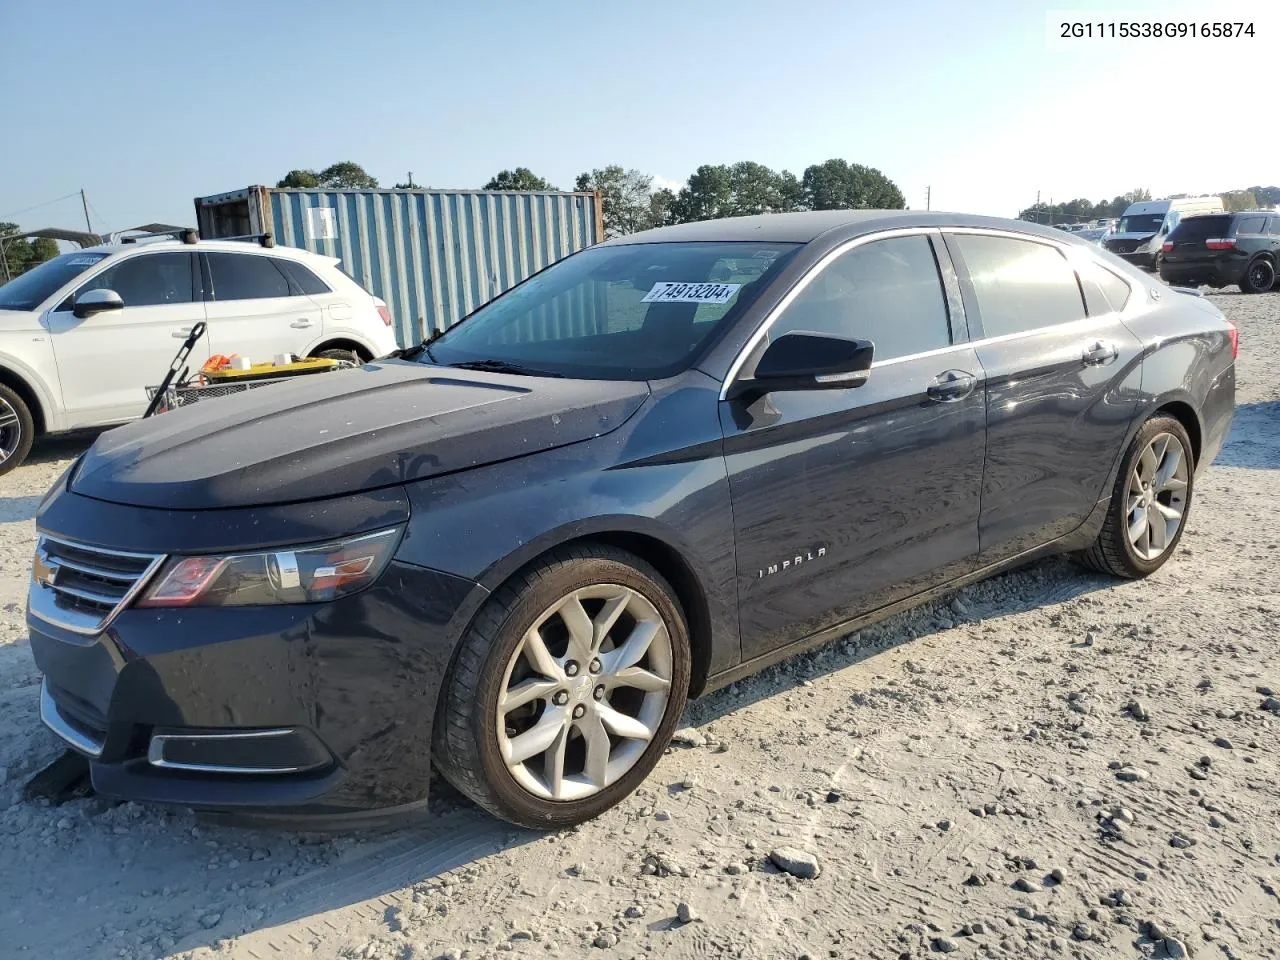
x=1051 y=764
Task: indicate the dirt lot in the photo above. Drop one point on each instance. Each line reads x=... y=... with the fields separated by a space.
x=1051 y=765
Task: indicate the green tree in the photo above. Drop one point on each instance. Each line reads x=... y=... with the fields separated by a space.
x=738 y=190
x=346 y=175
x=521 y=178
x=661 y=208
x=839 y=185
x=1267 y=196
x=300 y=179
x=627 y=198
x=19 y=255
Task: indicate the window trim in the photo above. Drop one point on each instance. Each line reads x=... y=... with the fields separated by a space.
x=762 y=331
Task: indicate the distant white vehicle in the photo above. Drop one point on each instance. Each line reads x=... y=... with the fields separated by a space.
x=84 y=334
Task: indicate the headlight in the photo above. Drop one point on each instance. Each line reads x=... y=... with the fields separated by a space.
x=305 y=574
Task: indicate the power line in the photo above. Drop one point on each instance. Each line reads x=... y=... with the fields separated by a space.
x=47 y=203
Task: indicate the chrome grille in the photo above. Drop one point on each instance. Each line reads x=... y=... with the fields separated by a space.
x=81 y=588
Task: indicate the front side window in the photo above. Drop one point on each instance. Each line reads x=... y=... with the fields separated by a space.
x=38 y=284
x=149 y=280
x=1020 y=285
x=631 y=312
x=887 y=291
x=242 y=276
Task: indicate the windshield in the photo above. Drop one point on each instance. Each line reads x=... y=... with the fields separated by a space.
x=1141 y=223
x=631 y=312
x=36 y=286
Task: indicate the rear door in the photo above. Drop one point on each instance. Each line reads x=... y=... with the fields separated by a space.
x=1062 y=383
x=846 y=500
x=253 y=310
x=106 y=361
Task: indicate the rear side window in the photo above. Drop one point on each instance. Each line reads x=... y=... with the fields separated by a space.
x=245 y=277
x=1195 y=229
x=1250 y=225
x=1097 y=281
x=150 y=280
x=1273 y=227
x=887 y=291
x=1020 y=285
x=302 y=277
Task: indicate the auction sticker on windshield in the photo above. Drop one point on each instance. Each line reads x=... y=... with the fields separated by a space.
x=670 y=292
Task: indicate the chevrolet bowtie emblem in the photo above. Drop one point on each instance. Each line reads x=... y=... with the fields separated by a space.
x=43 y=572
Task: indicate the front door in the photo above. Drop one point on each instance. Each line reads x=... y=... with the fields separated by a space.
x=1062 y=384
x=845 y=500
x=254 y=312
x=106 y=361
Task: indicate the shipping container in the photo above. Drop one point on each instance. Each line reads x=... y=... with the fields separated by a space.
x=432 y=255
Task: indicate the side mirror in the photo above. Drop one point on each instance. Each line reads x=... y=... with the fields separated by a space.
x=97 y=301
x=808 y=361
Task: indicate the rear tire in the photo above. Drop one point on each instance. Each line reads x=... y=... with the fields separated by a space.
x=1259 y=277
x=519 y=671
x=1139 y=535
x=17 y=429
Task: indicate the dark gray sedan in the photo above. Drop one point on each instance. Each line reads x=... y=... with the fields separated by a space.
x=653 y=468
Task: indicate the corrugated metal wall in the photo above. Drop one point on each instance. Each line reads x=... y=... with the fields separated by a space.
x=435 y=256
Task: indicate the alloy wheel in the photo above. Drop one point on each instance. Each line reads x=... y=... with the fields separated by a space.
x=584 y=693
x=10 y=430
x=1157 y=496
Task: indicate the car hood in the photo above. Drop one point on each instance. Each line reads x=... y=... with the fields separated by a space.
x=1131 y=236
x=326 y=435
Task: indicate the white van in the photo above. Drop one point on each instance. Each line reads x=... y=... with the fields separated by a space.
x=1142 y=229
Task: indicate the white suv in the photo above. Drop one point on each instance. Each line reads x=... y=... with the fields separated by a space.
x=83 y=335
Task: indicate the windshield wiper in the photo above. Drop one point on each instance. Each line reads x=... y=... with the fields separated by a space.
x=503 y=366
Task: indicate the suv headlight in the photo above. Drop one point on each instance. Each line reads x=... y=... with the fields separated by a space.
x=304 y=574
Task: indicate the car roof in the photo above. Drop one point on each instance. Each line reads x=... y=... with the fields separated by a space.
x=808 y=226
x=217 y=246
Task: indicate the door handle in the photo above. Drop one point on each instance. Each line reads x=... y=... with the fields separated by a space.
x=301 y=323
x=182 y=333
x=952 y=385
x=1099 y=351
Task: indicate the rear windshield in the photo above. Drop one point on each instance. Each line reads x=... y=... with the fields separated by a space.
x=630 y=312
x=1141 y=223
x=36 y=286
x=1201 y=228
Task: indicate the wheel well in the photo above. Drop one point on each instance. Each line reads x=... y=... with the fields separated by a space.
x=23 y=390
x=356 y=348
x=1185 y=415
x=684 y=582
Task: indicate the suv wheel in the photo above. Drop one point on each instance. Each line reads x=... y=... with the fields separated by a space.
x=1259 y=277
x=17 y=430
x=566 y=689
x=1149 y=503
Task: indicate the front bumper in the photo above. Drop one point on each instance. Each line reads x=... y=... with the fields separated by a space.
x=1146 y=259
x=307 y=712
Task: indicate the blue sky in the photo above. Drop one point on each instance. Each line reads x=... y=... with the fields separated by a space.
x=149 y=103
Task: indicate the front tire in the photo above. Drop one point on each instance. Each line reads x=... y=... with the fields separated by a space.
x=1259 y=277
x=566 y=689
x=17 y=430
x=342 y=356
x=1149 y=503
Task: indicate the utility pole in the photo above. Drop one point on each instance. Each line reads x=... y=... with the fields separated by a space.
x=928 y=197
x=85 y=203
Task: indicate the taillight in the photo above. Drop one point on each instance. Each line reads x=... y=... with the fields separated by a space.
x=384 y=313
x=1234 y=334
x=1166 y=246
x=1222 y=243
